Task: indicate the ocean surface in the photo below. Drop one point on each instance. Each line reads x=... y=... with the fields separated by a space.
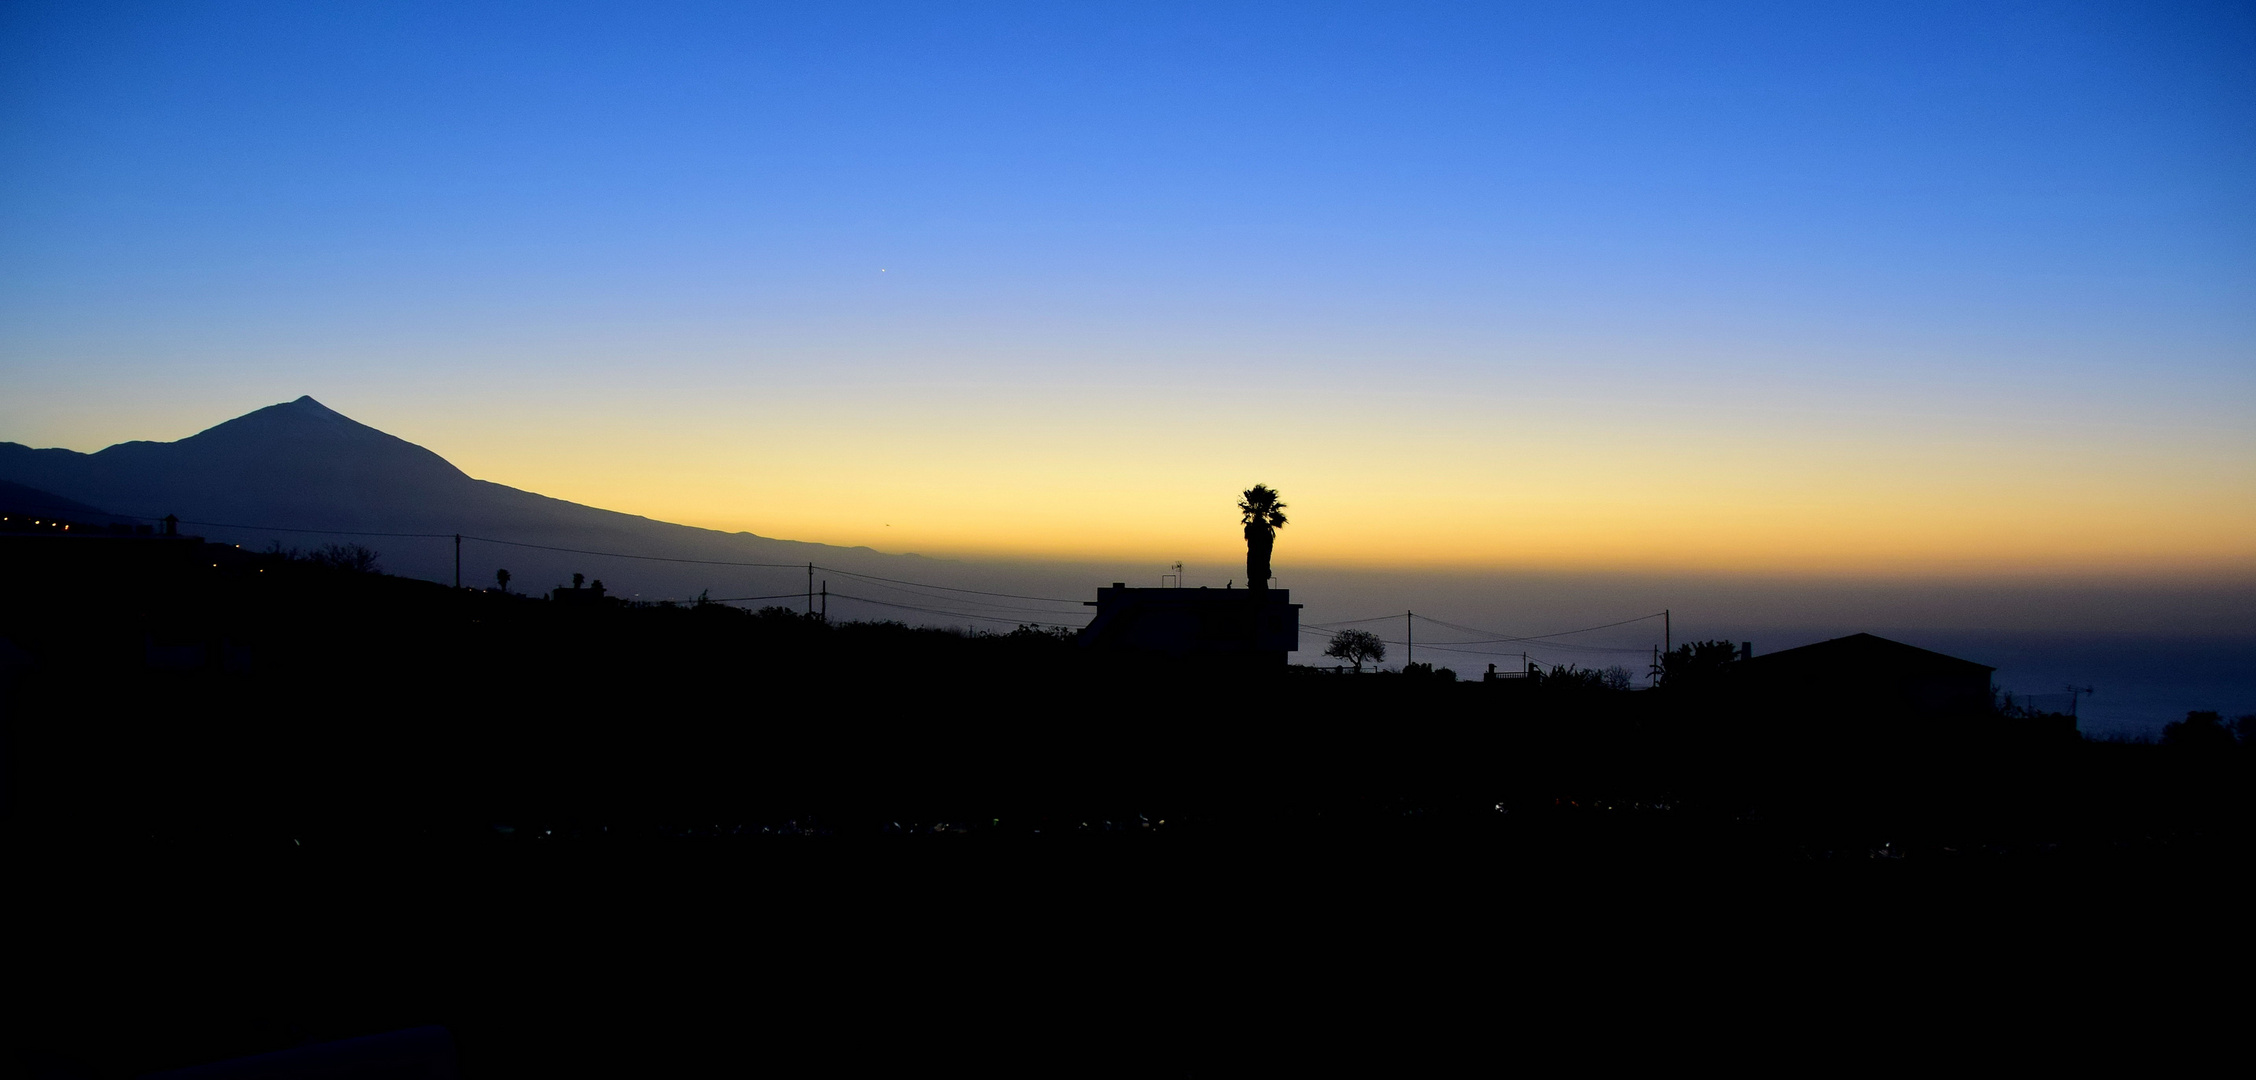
x=2150 y=652
x=2176 y=648
x=2139 y=682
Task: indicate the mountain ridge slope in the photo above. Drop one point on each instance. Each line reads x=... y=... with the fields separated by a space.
x=302 y=467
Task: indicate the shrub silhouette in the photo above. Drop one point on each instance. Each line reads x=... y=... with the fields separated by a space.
x=1697 y=663
x=356 y=558
x=2201 y=729
x=1567 y=677
x=1428 y=671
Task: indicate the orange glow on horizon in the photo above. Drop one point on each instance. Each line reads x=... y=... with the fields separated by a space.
x=1729 y=524
x=1435 y=483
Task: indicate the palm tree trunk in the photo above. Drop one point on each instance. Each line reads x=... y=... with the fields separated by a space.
x=1259 y=543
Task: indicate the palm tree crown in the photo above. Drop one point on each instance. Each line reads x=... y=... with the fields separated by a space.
x=1262 y=509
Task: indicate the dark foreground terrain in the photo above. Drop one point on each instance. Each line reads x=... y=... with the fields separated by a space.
x=256 y=802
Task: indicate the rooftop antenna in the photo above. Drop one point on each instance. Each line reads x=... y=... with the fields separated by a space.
x=1177 y=575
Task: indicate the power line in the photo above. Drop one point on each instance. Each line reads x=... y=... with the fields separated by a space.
x=623 y=555
x=317 y=532
x=1536 y=637
x=656 y=558
x=936 y=611
x=982 y=603
x=1349 y=622
x=1540 y=643
x=949 y=588
x=1527 y=653
x=1540 y=639
x=1459 y=646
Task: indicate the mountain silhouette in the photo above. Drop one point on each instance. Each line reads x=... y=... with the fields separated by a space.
x=300 y=464
x=304 y=466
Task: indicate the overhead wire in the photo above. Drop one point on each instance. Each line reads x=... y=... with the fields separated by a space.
x=936 y=611
x=949 y=588
x=623 y=555
x=1350 y=622
x=874 y=578
x=1543 y=640
x=1532 y=637
x=279 y=528
x=1536 y=639
x=986 y=604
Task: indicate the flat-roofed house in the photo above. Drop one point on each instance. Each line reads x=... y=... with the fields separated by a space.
x=1212 y=625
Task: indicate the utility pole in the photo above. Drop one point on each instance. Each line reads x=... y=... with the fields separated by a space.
x=810 y=588
x=1668 y=640
x=2075 y=692
x=458 y=560
x=826 y=602
x=1409 y=641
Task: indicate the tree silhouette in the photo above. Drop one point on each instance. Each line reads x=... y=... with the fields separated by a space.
x=1264 y=514
x=1356 y=646
x=502 y=578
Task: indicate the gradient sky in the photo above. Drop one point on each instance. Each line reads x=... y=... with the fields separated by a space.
x=1870 y=289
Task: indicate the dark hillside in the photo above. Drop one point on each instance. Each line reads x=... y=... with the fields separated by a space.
x=549 y=824
x=20 y=499
x=265 y=698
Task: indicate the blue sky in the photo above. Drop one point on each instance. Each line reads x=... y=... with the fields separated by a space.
x=720 y=263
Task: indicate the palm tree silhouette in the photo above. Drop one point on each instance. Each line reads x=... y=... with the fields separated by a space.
x=1264 y=515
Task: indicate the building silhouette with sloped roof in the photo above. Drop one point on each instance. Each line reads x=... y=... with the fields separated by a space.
x=1870 y=674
